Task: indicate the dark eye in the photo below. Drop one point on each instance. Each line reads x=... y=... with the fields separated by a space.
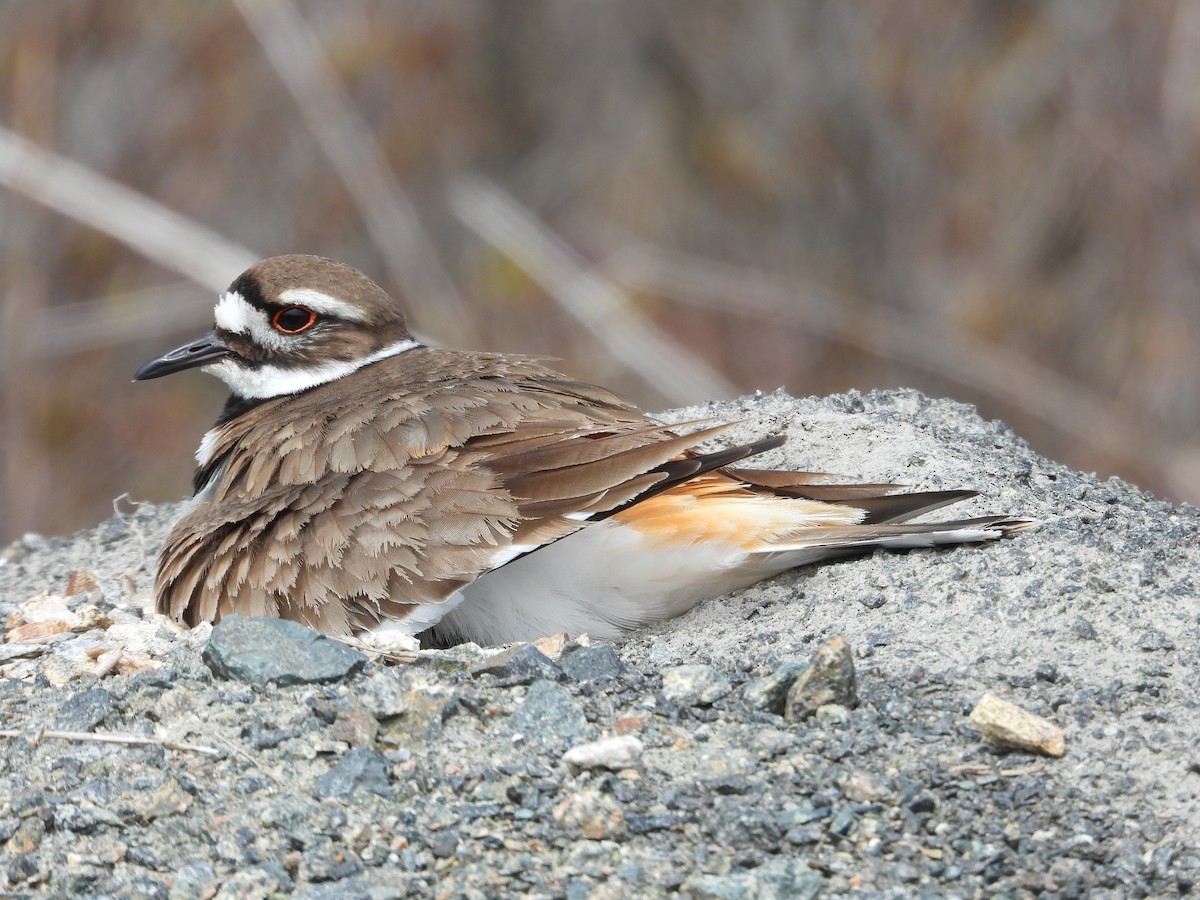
x=294 y=319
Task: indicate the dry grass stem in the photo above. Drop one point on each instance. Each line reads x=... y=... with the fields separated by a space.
x=588 y=297
x=392 y=221
x=151 y=229
x=132 y=740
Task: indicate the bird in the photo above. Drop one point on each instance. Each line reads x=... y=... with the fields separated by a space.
x=381 y=490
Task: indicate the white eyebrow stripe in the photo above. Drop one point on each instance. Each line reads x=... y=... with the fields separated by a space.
x=322 y=303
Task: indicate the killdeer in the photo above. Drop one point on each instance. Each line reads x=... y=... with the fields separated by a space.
x=373 y=487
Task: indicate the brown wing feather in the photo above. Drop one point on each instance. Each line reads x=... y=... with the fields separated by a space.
x=342 y=513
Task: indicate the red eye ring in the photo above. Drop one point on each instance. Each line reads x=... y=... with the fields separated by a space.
x=294 y=319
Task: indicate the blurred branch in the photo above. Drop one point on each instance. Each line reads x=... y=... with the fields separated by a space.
x=1027 y=385
x=93 y=324
x=392 y=222
x=151 y=229
x=592 y=300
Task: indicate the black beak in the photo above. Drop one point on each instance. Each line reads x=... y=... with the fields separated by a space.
x=207 y=349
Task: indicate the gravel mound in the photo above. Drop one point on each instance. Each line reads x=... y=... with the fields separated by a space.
x=682 y=760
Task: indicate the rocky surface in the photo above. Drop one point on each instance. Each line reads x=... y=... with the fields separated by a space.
x=667 y=764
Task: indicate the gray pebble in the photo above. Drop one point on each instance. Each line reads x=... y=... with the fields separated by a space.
x=383 y=694
x=358 y=770
x=549 y=717
x=522 y=664
x=829 y=678
x=770 y=693
x=776 y=879
x=443 y=844
x=694 y=685
x=261 y=651
x=85 y=710
x=591 y=663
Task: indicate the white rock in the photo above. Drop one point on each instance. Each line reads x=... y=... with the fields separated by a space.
x=609 y=753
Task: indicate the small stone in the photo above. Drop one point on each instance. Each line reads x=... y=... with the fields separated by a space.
x=259 y=881
x=1152 y=639
x=197 y=878
x=471 y=811
x=694 y=685
x=801 y=814
x=522 y=664
x=552 y=644
x=619 y=752
x=549 y=717
x=770 y=693
x=425 y=709
x=779 y=877
x=167 y=799
x=264 y=650
x=84 y=817
x=655 y=822
x=383 y=694
x=596 y=815
x=591 y=663
x=843 y=821
x=803 y=834
x=833 y=715
x=1046 y=672
x=85 y=710
x=860 y=787
x=36 y=632
x=81 y=583
x=326 y=861
x=629 y=724
x=359 y=770
x=458 y=658
x=443 y=844
x=1010 y=726
x=20 y=651
x=271 y=737
x=730 y=785
x=920 y=801
x=27 y=837
x=1084 y=630
x=829 y=678
x=22 y=870
x=356 y=726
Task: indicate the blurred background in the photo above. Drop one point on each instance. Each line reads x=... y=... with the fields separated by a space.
x=993 y=201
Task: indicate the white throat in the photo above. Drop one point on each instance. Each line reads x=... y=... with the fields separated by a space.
x=265 y=382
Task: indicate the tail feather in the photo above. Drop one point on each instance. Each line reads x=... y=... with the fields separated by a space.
x=896 y=508
x=828 y=543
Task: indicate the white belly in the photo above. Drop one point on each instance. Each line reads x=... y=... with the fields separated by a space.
x=606 y=579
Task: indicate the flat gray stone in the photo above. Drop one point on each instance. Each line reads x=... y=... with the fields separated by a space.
x=522 y=664
x=358 y=771
x=694 y=685
x=85 y=710
x=591 y=663
x=549 y=717
x=263 y=651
